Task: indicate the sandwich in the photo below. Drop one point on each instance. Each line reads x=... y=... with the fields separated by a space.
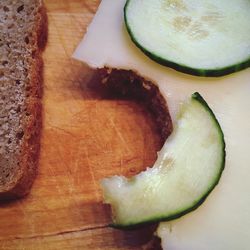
x=120 y=41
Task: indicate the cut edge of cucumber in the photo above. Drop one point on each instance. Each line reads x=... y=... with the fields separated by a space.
x=128 y=226
x=216 y=72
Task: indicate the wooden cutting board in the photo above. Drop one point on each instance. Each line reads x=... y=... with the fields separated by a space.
x=86 y=137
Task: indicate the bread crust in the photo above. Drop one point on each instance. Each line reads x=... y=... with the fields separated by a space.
x=129 y=84
x=32 y=126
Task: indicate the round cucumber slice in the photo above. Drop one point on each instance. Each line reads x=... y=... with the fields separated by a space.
x=198 y=37
x=187 y=169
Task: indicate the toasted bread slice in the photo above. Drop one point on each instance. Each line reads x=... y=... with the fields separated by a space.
x=23 y=36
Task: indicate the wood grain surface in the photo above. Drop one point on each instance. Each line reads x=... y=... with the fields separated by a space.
x=85 y=137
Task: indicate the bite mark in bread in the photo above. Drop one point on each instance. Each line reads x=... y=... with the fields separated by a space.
x=129 y=84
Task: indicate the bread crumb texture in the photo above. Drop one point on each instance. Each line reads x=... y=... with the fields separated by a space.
x=21 y=25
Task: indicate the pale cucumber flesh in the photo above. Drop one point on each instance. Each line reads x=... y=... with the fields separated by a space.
x=199 y=37
x=187 y=169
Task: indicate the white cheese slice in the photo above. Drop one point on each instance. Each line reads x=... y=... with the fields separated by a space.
x=223 y=221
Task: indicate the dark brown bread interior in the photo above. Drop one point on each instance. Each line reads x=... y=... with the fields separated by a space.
x=23 y=35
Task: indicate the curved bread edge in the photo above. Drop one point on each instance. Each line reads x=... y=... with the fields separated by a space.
x=128 y=84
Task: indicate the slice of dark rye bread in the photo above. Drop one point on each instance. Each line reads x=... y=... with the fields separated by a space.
x=23 y=35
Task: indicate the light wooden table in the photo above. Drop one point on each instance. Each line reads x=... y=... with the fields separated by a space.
x=85 y=138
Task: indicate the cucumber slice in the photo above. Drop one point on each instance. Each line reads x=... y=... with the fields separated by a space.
x=198 y=37
x=187 y=169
